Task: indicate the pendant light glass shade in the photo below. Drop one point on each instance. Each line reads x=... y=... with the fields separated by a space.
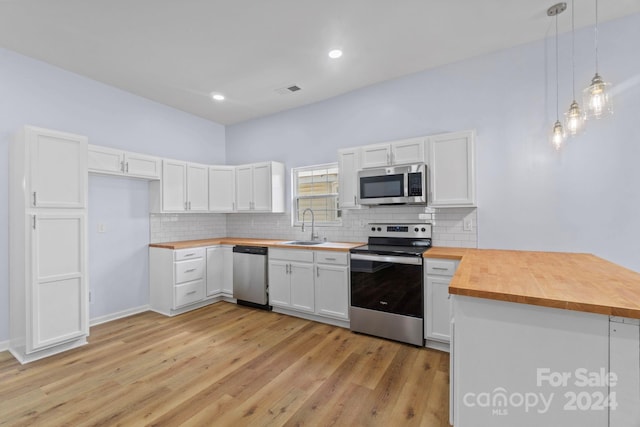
x=573 y=119
x=557 y=135
x=596 y=98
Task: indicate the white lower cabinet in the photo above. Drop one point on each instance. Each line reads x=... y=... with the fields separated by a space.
x=185 y=279
x=311 y=282
x=437 y=306
x=291 y=279
x=624 y=362
x=176 y=278
x=220 y=270
x=332 y=285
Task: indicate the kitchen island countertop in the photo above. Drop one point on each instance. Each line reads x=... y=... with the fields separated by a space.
x=571 y=281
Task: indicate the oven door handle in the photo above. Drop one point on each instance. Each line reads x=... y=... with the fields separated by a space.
x=385 y=258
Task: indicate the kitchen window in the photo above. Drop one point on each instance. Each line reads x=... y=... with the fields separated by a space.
x=315 y=187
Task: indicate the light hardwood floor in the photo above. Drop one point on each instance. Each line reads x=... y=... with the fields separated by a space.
x=227 y=365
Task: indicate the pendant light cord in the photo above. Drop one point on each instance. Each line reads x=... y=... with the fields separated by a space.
x=573 y=50
x=557 y=74
x=596 y=36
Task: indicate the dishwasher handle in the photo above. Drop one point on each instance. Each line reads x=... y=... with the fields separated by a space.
x=251 y=250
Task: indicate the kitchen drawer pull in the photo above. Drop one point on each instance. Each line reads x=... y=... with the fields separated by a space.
x=330 y=259
x=191 y=292
x=440 y=268
x=190 y=270
x=190 y=254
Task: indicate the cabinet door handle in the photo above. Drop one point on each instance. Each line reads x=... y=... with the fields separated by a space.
x=34 y=222
x=190 y=292
x=317 y=271
x=354 y=200
x=35 y=199
x=126 y=167
x=185 y=206
x=122 y=166
x=233 y=206
x=388 y=158
x=191 y=270
x=189 y=205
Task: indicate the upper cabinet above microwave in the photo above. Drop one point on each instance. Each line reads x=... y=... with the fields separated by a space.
x=452 y=175
x=450 y=160
x=406 y=151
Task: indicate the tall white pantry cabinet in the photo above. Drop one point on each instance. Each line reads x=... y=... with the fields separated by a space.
x=48 y=287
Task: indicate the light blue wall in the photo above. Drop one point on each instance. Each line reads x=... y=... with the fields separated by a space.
x=119 y=257
x=32 y=92
x=583 y=199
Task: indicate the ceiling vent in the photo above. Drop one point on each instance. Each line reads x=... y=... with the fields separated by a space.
x=287 y=90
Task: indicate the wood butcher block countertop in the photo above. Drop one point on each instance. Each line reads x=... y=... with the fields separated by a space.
x=571 y=281
x=186 y=244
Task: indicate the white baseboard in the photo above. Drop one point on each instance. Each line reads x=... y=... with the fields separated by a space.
x=119 y=315
x=4 y=345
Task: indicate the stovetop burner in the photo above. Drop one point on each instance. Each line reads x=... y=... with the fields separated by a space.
x=397 y=240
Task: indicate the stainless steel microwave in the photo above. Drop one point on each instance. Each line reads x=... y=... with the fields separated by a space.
x=393 y=185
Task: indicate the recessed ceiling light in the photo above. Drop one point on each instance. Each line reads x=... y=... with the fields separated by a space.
x=217 y=96
x=335 y=54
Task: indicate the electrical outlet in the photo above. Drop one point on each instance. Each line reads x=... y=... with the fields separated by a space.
x=467 y=224
x=102 y=228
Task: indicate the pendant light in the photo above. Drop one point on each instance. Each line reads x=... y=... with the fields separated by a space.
x=573 y=118
x=557 y=134
x=596 y=98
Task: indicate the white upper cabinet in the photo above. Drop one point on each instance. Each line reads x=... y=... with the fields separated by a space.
x=222 y=188
x=260 y=187
x=105 y=160
x=401 y=152
x=142 y=166
x=184 y=187
x=376 y=155
x=58 y=165
x=452 y=170
x=197 y=187
x=174 y=186
x=348 y=164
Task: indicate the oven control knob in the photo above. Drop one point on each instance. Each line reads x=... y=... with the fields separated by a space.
x=416 y=229
x=373 y=229
x=379 y=229
x=423 y=229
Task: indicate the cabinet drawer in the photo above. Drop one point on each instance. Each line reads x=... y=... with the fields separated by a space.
x=189 y=293
x=301 y=255
x=441 y=267
x=327 y=257
x=187 y=271
x=183 y=254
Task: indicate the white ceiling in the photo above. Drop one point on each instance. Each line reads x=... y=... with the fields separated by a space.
x=177 y=52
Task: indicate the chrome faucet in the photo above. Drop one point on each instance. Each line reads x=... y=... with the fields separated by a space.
x=314 y=236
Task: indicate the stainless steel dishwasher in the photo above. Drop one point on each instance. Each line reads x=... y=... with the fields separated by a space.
x=250 y=276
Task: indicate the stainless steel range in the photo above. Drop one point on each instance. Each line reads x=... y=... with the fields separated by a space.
x=387 y=282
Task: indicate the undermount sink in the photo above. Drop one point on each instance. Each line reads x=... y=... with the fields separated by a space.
x=303 y=242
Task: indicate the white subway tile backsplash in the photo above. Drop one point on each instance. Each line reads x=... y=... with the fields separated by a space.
x=447 y=225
